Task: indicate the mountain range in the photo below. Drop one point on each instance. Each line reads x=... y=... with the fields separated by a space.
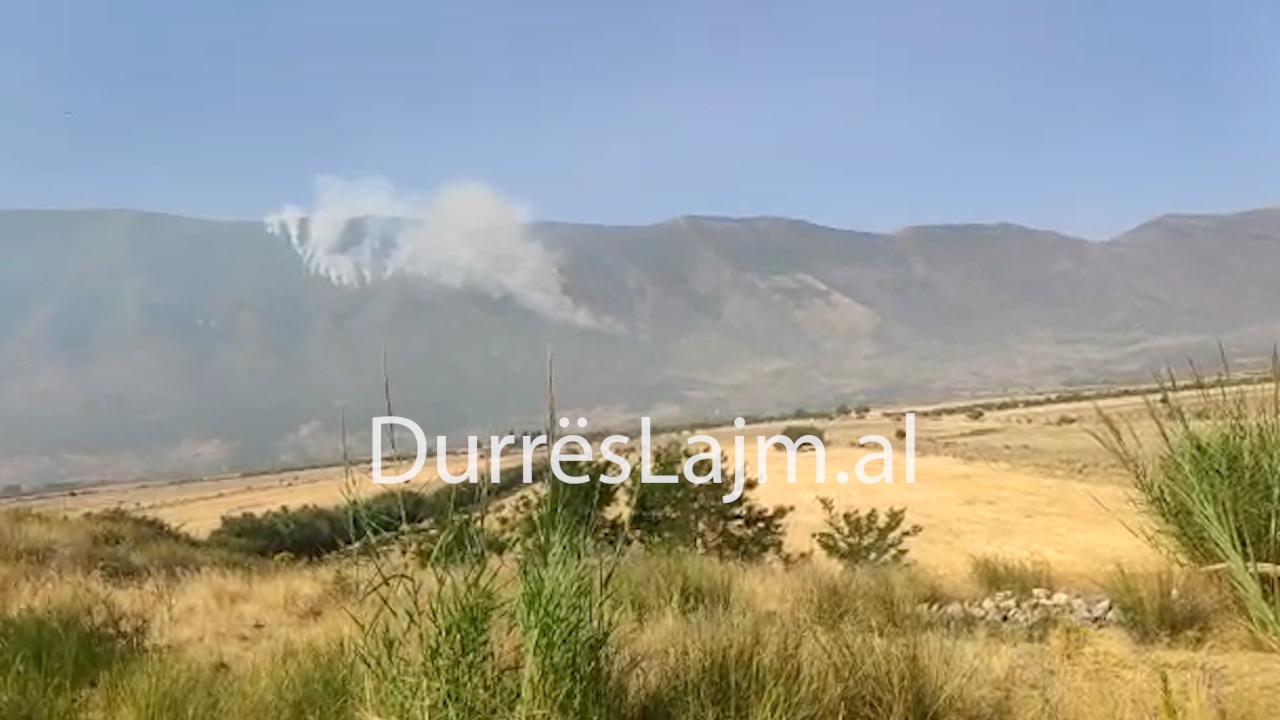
x=136 y=343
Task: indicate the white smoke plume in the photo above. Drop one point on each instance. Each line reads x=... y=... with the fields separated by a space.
x=463 y=236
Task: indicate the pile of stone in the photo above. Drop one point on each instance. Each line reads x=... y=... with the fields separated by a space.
x=1041 y=606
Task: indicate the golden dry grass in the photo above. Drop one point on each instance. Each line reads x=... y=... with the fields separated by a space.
x=197 y=506
x=213 y=614
x=245 y=617
x=1013 y=483
x=1018 y=482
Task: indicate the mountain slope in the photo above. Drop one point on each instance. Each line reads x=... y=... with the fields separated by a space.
x=134 y=342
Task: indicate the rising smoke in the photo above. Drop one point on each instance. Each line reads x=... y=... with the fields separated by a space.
x=463 y=236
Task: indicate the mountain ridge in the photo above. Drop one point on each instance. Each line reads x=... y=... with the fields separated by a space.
x=135 y=342
x=696 y=217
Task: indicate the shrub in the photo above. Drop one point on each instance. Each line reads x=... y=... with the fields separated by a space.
x=975 y=414
x=795 y=432
x=308 y=532
x=128 y=546
x=114 y=544
x=806 y=414
x=311 y=531
x=586 y=506
x=694 y=517
x=995 y=574
x=667 y=517
x=118 y=527
x=857 y=538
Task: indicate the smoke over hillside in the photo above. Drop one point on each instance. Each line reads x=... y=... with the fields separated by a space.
x=464 y=235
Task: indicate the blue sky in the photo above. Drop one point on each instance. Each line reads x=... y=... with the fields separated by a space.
x=1082 y=116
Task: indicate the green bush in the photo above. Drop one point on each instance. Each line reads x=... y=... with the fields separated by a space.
x=687 y=516
x=857 y=538
x=312 y=531
x=308 y=532
x=669 y=517
x=806 y=414
x=795 y=432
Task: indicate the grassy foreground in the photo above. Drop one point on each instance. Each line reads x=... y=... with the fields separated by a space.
x=573 y=634
x=564 y=606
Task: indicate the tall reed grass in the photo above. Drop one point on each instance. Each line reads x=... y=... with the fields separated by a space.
x=1212 y=486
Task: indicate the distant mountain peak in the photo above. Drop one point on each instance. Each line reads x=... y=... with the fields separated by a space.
x=1181 y=224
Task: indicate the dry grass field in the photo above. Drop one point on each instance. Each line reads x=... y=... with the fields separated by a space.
x=198 y=505
x=1028 y=482
x=1024 y=484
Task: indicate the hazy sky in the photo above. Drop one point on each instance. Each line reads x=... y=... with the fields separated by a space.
x=1082 y=116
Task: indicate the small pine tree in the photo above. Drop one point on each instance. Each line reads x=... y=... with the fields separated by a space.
x=862 y=538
